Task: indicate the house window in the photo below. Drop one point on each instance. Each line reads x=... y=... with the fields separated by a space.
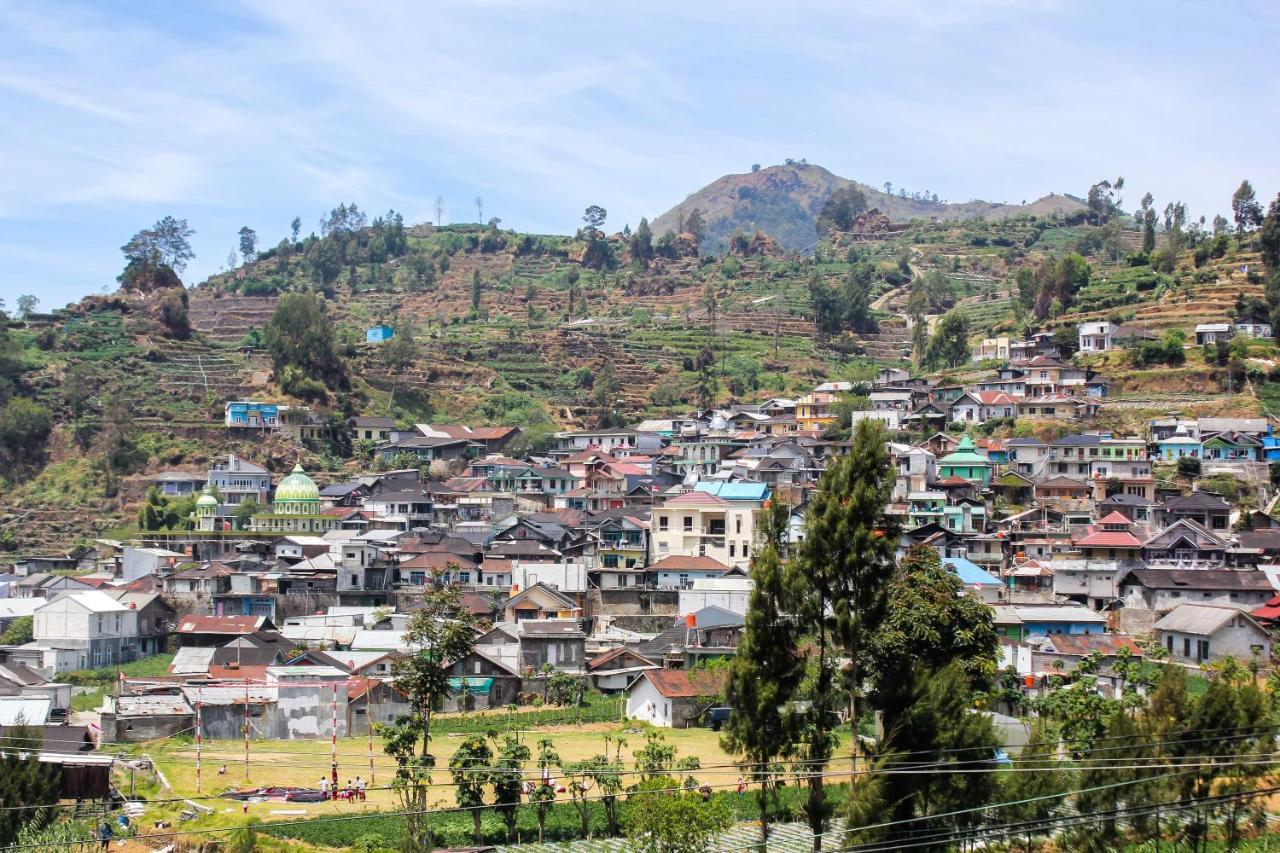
x=1186 y=647
x=1202 y=650
x=737 y=525
x=731 y=549
x=662 y=522
x=688 y=523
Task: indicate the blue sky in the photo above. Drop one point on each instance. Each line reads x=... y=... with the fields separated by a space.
x=113 y=114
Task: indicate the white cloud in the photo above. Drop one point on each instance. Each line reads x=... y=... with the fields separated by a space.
x=251 y=113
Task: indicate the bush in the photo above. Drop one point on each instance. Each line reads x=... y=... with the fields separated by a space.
x=1189 y=466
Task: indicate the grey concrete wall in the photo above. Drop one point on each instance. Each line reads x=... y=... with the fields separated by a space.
x=307 y=712
x=138 y=729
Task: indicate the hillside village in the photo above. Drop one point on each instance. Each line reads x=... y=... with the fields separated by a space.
x=626 y=551
x=596 y=474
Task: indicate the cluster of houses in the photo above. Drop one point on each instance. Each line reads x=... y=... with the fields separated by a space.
x=621 y=556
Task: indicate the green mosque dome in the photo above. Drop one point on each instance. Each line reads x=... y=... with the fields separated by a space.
x=206 y=499
x=297 y=493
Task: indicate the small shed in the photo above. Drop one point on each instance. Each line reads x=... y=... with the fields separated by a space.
x=1211 y=333
x=378 y=334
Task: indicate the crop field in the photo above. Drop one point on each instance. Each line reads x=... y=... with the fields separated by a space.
x=302 y=763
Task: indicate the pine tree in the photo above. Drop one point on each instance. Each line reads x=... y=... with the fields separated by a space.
x=765 y=672
x=843 y=565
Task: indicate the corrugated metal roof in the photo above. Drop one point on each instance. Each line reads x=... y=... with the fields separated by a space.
x=1203 y=619
x=231 y=694
x=152 y=705
x=192 y=661
x=23 y=709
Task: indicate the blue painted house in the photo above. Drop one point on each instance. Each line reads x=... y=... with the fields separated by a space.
x=1178 y=446
x=983 y=584
x=250 y=414
x=1019 y=621
x=378 y=334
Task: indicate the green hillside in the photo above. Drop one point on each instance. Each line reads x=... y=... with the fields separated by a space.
x=548 y=331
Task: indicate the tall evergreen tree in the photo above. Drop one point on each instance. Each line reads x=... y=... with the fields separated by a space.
x=765 y=671
x=1245 y=208
x=843 y=565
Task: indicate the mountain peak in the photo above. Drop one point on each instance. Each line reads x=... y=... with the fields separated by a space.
x=784 y=201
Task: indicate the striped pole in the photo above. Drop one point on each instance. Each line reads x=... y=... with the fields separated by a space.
x=198 y=741
x=368 y=718
x=334 y=757
x=246 y=728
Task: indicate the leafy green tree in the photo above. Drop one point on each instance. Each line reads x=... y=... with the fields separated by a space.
x=477 y=289
x=174 y=314
x=663 y=821
x=841 y=209
x=1237 y=713
x=323 y=261
x=19 y=632
x=399 y=352
x=940 y=730
x=766 y=670
x=507 y=778
x=857 y=301
x=295 y=227
x=248 y=243
x=439 y=634
x=1147 y=217
x=156 y=512
x=949 y=344
x=696 y=226
x=642 y=244
x=1269 y=237
x=841 y=572
x=24 y=427
x=27 y=305
x=24 y=779
x=422 y=272
x=594 y=218
x=470 y=769
x=1245 y=208
x=930 y=622
x=1026 y=789
x=656 y=757
x=300 y=335
x=544 y=793
x=165 y=244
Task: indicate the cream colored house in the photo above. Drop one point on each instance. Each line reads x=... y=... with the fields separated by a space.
x=700 y=524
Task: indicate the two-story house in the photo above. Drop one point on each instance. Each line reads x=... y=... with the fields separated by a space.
x=101 y=630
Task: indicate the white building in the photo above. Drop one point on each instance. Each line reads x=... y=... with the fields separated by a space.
x=1199 y=633
x=1097 y=336
x=101 y=630
x=729 y=593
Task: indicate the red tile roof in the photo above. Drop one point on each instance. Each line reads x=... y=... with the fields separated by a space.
x=613 y=654
x=438 y=560
x=681 y=684
x=677 y=562
x=1269 y=611
x=1083 y=644
x=1116 y=518
x=1110 y=539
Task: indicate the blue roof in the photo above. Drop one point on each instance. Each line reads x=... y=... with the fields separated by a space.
x=969 y=572
x=734 y=491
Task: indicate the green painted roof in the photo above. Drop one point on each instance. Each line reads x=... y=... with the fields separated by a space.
x=297 y=487
x=965 y=454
